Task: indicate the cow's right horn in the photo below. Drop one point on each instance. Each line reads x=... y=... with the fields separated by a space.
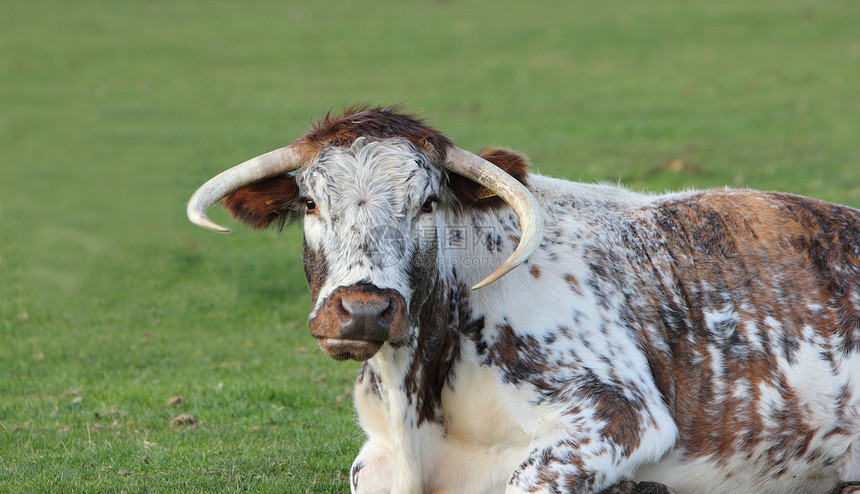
x=514 y=193
x=268 y=165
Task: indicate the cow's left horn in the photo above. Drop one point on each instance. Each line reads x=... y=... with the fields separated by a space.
x=268 y=165
x=514 y=193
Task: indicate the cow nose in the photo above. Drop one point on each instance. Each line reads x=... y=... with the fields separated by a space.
x=366 y=310
x=354 y=321
x=369 y=317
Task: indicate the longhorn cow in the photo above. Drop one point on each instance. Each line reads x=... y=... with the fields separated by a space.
x=708 y=340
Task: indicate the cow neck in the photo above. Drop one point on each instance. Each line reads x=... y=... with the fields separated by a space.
x=410 y=381
x=419 y=370
x=412 y=377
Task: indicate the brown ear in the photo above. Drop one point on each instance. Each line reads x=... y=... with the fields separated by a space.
x=471 y=194
x=259 y=204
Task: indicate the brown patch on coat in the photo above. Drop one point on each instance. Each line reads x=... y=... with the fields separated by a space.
x=435 y=311
x=520 y=356
x=437 y=349
x=620 y=415
x=573 y=283
x=534 y=271
x=473 y=195
x=748 y=251
x=316 y=270
x=259 y=204
x=374 y=123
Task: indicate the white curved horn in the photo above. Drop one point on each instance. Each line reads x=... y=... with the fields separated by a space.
x=514 y=193
x=267 y=165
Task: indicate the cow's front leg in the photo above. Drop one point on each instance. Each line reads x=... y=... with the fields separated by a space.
x=372 y=471
x=630 y=487
x=588 y=456
x=563 y=466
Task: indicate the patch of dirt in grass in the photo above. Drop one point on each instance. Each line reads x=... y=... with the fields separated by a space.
x=184 y=419
x=175 y=401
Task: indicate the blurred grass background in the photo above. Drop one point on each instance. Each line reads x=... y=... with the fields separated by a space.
x=112 y=113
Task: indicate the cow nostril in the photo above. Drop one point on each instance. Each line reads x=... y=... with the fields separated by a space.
x=342 y=313
x=383 y=307
x=388 y=312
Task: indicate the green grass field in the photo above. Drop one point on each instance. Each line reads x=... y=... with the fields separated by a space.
x=112 y=113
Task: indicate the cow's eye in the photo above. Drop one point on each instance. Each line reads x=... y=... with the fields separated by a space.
x=427 y=207
x=310 y=205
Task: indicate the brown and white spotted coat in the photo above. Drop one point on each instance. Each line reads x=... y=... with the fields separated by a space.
x=706 y=340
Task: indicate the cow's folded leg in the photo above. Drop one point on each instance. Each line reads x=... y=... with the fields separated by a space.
x=587 y=457
x=631 y=487
x=372 y=471
x=564 y=466
x=623 y=487
x=847 y=488
x=553 y=468
x=651 y=488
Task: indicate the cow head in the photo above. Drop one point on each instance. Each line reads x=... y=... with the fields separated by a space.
x=370 y=186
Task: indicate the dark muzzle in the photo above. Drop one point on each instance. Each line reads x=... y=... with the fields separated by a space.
x=354 y=321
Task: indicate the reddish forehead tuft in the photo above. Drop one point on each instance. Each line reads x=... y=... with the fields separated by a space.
x=375 y=123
